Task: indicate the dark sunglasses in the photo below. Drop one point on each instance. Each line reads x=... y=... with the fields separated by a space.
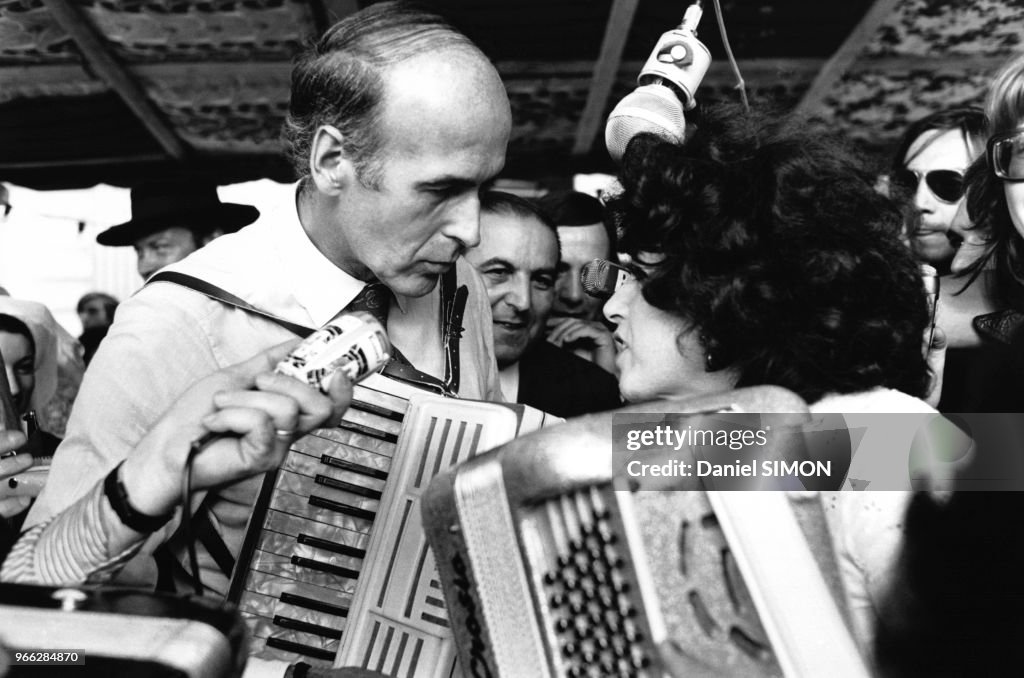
x=1006 y=155
x=946 y=185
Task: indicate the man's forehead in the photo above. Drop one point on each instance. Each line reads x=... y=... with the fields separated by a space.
x=518 y=239
x=939 y=148
x=584 y=240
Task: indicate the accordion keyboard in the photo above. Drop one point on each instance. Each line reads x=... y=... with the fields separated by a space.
x=316 y=514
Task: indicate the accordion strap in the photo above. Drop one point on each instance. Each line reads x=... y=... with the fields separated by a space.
x=222 y=295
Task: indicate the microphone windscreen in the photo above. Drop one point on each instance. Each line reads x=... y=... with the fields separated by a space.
x=600 y=278
x=650 y=108
x=931 y=279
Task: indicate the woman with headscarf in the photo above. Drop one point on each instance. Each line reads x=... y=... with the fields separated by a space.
x=44 y=364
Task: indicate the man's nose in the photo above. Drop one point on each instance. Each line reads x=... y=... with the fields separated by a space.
x=464 y=222
x=572 y=288
x=518 y=295
x=924 y=199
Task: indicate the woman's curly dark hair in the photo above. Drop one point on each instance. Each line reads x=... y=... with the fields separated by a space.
x=779 y=251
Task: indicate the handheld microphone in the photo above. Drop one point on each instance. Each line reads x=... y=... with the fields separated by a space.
x=601 y=278
x=353 y=344
x=931 y=288
x=9 y=419
x=667 y=83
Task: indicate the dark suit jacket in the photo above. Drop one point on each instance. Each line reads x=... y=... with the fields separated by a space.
x=559 y=382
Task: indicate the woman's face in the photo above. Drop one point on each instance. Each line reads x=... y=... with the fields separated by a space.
x=1015 y=203
x=659 y=353
x=1014 y=190
x=19 y=360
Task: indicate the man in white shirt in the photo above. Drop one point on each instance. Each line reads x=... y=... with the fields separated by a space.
x=396 y=121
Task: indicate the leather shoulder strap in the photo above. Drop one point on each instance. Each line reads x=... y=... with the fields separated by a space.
x=453 y=306
x=223 y=296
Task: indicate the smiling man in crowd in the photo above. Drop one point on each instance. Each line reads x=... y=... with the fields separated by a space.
x=518 y=259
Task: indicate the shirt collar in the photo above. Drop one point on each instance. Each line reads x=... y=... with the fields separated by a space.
x=318 y=284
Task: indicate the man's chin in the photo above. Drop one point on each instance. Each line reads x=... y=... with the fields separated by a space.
x=414 y=285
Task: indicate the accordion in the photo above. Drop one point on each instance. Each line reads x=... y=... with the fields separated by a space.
x=552 y=566
x=334 y=568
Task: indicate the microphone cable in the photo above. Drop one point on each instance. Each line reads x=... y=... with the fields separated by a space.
x=740 y=83
x=197 y=446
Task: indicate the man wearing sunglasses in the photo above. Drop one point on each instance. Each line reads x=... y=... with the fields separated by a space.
x=928 y=174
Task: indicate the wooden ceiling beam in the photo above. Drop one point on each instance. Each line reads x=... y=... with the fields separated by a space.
x=837 y=66
x=606 y=71
x=76 y=23
x=326 y=13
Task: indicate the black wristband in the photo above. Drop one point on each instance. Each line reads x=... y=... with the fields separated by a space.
x=117 y=496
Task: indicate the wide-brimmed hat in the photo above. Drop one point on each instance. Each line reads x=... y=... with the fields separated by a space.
x=188 y=204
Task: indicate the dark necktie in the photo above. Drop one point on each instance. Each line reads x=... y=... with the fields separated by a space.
x=375 y=299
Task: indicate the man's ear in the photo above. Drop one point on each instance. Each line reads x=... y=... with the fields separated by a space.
x=206 y=238
x=329 y=166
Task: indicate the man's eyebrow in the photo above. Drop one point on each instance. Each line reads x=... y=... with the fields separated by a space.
x=446 y=182
x=497 y=260
x=451 y=181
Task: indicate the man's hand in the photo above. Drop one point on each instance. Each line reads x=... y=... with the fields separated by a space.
x=11 y=466
x=259 y=412
x=589 y=337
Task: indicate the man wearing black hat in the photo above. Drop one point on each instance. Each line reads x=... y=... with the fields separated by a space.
x=171 y=220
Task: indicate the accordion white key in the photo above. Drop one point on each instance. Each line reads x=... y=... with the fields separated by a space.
x=552 y=568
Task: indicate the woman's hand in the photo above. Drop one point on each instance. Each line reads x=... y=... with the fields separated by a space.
x=11 y=441
x=260 y=413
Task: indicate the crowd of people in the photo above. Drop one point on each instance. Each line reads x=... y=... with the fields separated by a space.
x=757 y=252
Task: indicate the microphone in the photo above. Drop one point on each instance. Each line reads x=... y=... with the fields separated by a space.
x=931 y=288
x=667 y=83
x=601 y=278
x=353 y=344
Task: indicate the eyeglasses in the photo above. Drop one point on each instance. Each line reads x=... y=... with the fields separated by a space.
x=946 y=185
x=1006 y=155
